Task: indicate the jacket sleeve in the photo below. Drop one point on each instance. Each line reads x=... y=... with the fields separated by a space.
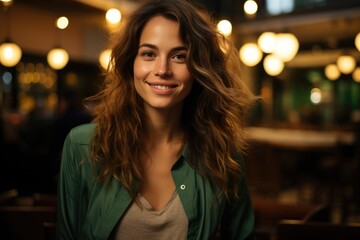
x=68 y=192
x=238 y=221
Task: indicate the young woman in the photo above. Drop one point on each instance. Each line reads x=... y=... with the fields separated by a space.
x=162 y=158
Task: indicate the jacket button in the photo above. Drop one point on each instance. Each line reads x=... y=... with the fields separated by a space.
x=182 y=186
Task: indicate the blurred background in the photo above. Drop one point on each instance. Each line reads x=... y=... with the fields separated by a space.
x=301 y=56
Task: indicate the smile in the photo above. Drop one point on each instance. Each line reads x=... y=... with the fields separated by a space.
x=162 y=87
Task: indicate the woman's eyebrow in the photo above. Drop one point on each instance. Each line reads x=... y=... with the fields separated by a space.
x=148 y=45
x=180 y=48
x=152 y=46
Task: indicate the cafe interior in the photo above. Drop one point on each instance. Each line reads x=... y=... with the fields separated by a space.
x=302 y=58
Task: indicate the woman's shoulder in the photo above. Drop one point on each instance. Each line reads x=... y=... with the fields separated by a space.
x=82 y=134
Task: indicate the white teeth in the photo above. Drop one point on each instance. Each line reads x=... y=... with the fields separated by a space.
x=162 y=87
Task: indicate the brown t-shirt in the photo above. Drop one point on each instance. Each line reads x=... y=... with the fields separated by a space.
x=142 y=222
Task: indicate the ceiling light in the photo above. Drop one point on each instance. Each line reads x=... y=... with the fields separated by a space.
x=250 y=54
x=267 y=41
x=113 y=16
x=273 y=65
x=7 y=3
x=332 y=72
x=357 y=41
x=57 y=58
x=10 y=54
x=104 y=59
x=250 y=7
x=356 y=75
x=225 y=27
x=62 y=22
x=346 y=64
x=287 y=46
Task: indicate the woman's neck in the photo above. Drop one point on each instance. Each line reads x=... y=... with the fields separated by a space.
x=163 y=126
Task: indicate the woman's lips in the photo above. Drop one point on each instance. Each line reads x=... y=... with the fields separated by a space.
x=162 y=89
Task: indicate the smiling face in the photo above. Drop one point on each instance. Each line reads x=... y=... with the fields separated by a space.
x=161 y=76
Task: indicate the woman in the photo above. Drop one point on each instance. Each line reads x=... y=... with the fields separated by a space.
x=161 y=160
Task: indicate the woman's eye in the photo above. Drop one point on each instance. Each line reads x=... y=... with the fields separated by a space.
x=180 y=57
x=148 y=54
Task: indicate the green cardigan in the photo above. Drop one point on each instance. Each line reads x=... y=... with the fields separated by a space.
x=88 y=209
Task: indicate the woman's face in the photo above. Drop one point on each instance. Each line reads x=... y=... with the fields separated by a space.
x=161 y=76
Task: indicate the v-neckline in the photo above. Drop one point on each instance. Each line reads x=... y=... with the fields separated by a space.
x=148 y=207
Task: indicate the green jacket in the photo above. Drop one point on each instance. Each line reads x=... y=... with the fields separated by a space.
x=88 y=209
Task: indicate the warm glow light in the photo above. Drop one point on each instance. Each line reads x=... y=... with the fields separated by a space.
x=267 y=41
x=346 y=64
x=113 y=16
x=273 y=65
x=62 y=22
x=315 y=96
x=7 y=3
x=332 y=72
x=357 y=41
x=10 y=54
x=287 y=46
x=225 y=27
x=57 y=58
x=250 y=54
x=356 y=75
x=104 y=58
x=250 y=7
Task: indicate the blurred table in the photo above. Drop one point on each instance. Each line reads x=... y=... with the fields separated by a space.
x=279 y=159
x=300 y=138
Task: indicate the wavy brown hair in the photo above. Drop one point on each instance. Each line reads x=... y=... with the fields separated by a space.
x=213 y=114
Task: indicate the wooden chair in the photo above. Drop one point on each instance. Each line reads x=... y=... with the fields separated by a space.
x=321 y=213
x=300 y=230
x=269 y=211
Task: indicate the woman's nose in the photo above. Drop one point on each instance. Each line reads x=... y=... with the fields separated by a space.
x=162 y=68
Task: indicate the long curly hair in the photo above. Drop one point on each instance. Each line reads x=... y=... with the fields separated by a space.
x=214 y=113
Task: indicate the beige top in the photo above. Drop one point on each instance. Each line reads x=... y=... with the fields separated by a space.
x=142 y=222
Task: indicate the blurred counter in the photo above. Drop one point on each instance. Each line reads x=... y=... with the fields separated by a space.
x=300 y=138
